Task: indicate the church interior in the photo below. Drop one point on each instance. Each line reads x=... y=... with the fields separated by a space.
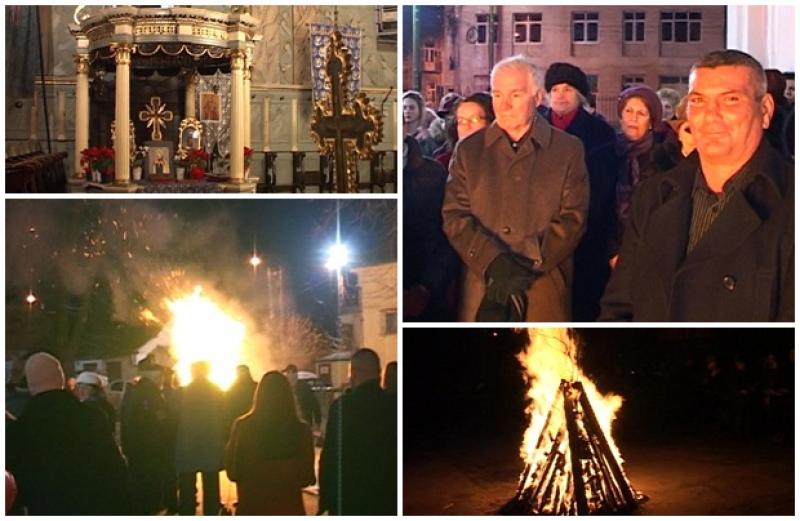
x=306 y=92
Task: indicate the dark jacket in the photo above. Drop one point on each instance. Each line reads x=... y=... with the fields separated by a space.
x=428 y=258
x=591 y=257
x=239 y=399
x=145 y=424
x=531 y=203
x=64 y=459
x=202 y=431
x=741 y=270
x=358 y=464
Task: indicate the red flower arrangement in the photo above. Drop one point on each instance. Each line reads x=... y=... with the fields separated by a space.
x=197 y=162
x=248 y=153
x=100 y=159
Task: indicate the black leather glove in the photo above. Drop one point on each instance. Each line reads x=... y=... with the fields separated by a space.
x=506 y=276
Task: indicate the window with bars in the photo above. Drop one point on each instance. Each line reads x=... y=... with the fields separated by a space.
x=585 y=26
x=633 y=26
x=527 y=27
x=681 y=26
x=482 y=26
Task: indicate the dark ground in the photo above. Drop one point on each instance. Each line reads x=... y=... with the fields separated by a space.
x=686 y=478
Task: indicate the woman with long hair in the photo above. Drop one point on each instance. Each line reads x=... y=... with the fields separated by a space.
x=270 y=453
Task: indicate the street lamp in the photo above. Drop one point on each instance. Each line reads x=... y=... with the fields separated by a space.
x=30 y=299
x=338 y=257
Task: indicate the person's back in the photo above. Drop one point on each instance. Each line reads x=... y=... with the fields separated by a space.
x=201 y=437
x=358 y=468
x=270 y=453
x=64 y=459
x=239 y=398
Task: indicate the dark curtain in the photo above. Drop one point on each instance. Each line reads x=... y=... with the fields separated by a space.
x=22 y=50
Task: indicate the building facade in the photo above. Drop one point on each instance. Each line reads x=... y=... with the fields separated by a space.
x=615 y=46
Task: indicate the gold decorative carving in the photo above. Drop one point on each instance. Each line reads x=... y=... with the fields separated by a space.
x=190 y=133
x=82 y=64
x=346 y=130
x=156 y=115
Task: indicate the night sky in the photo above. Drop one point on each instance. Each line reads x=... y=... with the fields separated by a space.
x=464 y=386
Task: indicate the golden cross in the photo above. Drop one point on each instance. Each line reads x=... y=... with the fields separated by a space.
x=156 y=115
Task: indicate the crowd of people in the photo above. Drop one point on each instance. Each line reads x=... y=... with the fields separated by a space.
x=524 y=204
x=63 y=456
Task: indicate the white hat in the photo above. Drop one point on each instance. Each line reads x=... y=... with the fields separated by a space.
x=89 y=378
x=43 y=373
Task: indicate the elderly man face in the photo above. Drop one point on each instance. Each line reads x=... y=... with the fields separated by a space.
x=725 y=114
x=515 y=96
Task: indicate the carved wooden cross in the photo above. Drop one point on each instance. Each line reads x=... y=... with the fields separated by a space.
x=341 y=127
x=156 y=115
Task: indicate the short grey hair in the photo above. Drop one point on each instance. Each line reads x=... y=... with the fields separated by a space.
x=732 y=57
x=519 y=63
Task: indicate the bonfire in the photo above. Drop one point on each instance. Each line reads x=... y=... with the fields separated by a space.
x=572 y=466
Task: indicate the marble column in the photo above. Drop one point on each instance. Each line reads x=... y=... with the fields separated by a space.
x=265 y=120
x=122 y=116
x=81 y=111
x=237 y=115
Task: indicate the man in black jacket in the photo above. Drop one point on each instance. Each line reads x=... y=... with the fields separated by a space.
x=61 y=452
x=713 y=239
x=358 y=464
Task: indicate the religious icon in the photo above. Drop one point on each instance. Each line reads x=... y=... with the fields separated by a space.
x=210 y=106
x=159 y=160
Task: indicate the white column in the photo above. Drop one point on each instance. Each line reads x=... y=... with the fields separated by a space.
x=237 y=115
x=265 y=122
x=122 y=116
x=294 y=125
x=248 y=72
x=81 y=111
x=191 y=94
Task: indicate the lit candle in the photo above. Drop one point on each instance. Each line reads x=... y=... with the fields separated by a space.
x=294 y=125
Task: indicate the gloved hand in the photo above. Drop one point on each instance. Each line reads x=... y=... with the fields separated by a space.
x=506 y=276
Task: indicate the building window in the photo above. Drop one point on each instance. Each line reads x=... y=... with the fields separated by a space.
x=673 y=81
x=483 y=29
x=633 y=26
x=585 y=26
x=431 y=58
x=390 y=322
x=681 y=26
x=527 y=27
x=629 y=80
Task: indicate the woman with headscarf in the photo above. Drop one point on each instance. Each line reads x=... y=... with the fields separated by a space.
x=270 y=453
x=645 y=146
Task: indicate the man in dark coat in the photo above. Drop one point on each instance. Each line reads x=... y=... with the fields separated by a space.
x=358 y=464
x=307 y=404
x=568 y=89
x=515 y=206
x=713 y=239
x=239 y=398
x=430 y=266
x=60 y=451
x=145 y=434
x=200 y=441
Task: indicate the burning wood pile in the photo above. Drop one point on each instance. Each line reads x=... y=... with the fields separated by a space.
x=574 y=468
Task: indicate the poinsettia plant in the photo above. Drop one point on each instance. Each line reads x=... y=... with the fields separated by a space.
x=248 y=153
x=100 y=159
x=197 y=158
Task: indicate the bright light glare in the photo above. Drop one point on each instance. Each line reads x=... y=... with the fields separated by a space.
x=255 y=261
x=30 y=299
x=202 y=331
x=338 y=256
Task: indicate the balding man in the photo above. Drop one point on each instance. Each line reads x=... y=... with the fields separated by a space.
x=358 y=464
x=515 y=206
x=713 y=238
